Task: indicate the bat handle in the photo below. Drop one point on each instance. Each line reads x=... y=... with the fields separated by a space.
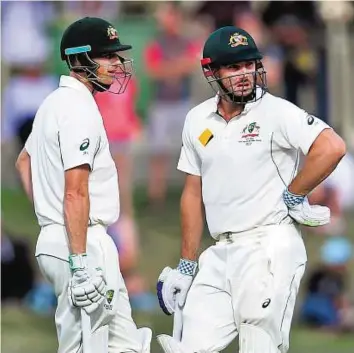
x=86 y=331
x=177 y=321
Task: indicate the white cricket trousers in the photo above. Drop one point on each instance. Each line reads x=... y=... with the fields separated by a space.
x=251 y=279
x=114 y=315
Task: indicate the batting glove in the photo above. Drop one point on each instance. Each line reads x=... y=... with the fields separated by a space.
x=303 y=213
x=173 y=281
x=85 y=290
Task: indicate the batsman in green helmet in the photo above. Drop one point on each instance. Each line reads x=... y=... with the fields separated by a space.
x=240 y=156
x=232 y=65
x=94 y=54
x=68 y=173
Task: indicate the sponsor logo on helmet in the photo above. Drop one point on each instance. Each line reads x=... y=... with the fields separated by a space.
x=112 y=33
x=237 y=39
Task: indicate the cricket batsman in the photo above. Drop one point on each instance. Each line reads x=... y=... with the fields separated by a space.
x=241 y=153
x=67 y=169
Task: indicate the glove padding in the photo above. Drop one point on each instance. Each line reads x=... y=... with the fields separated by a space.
x=310 y=215
x=87 y=291
x=171 y=282
x=303 y=213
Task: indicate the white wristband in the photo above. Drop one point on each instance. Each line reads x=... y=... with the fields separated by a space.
x=77 y=262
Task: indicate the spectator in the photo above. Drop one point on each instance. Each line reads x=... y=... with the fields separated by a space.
x=275 y=10
x=25 y=50
x=296 y=27
x=123 y=130
x=17 y=274
x=108 y=10
x=222 y=12
x=18 y=277
x=326 y=304
x=125 y=236
x=273 y=54
x=170 y=61
x=24 y=32
x=22 y=96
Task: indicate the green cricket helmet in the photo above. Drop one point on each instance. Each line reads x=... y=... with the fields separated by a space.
x=227 y=47
x=90 y=38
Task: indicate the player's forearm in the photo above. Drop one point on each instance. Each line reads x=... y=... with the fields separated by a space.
x=26 y=179
x=192 y=225
x=23 y=166
x=76 y=214
x=319 y=163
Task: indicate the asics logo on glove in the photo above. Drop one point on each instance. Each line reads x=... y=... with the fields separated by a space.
x=303 y=213
x=173 y=281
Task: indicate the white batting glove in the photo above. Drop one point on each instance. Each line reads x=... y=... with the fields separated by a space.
x=303 y=213
x=175 y=281
x=86 y=290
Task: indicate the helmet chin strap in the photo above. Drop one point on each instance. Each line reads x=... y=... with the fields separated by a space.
x=232 y=97
x=90 y=68
x=100 y=87
x=92 y=78
x=229 y=95
x=86 y=65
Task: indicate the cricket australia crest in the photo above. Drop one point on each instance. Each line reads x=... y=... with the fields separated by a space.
x=250 y=134
x=112 y=33
x=237 y=39
x=109 y=298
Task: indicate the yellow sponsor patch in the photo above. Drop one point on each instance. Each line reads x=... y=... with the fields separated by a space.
x=205 y=137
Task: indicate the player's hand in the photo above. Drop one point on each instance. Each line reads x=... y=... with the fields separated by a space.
x=86 y=289
x=175 y=281
x=303 y=213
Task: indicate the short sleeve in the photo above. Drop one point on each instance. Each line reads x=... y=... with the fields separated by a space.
x=28 y=144
x=189 y=161
x=298 y=129
x=79 y=138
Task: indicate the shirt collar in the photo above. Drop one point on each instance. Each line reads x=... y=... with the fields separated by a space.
x=72 y=82
x=248 y=106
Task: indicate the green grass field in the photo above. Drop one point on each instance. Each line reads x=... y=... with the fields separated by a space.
x=22 y=331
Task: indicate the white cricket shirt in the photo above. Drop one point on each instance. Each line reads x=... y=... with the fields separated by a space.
x=67 y=132
x=246 y=164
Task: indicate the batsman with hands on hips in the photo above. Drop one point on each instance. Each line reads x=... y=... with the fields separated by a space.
x=240 y=153
x=67 y=169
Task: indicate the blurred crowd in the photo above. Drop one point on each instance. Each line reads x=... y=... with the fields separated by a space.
x=291 y=35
